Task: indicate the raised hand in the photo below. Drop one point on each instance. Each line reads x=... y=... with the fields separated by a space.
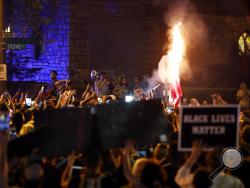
x=88 y=87
x=17 y=94
x=66 y=176
x=129 y=146
x=197 y=148
x=72 y=157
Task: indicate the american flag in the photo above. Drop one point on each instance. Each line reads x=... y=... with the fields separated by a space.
x=175 y=93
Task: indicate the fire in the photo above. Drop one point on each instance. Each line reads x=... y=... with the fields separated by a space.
x=169 y=66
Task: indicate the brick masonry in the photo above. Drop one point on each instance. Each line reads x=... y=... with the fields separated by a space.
x=116 y=36
x=127 y=37
x=54 y=53
x=216 y=62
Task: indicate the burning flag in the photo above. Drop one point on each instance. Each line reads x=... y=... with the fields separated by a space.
x=169 y=66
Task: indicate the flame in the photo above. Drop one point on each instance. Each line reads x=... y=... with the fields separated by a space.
x=169 y=66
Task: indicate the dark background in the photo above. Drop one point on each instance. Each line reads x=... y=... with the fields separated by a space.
x=127 y=37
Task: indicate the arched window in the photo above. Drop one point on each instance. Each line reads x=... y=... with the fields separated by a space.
x=244 y=44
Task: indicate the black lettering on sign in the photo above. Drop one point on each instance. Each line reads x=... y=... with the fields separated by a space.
x=206 y=130
x=214 y=125
x=220 y=118
x=195 y=118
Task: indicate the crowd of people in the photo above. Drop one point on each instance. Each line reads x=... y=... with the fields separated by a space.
x=154 y=166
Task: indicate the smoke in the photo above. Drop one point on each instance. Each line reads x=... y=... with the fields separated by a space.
x=194 y=32
x=153 y=81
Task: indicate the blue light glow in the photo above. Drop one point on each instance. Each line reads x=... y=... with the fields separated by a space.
x=55 y=45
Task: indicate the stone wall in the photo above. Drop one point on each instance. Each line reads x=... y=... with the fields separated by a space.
x=53 y=54
x=127 y=37
x=216 y=62
x=116 y=36
x=78 y=41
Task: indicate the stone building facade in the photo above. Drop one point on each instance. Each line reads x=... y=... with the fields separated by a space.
x=127 y=37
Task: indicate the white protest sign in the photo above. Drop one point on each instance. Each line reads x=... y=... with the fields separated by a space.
x=3 y=72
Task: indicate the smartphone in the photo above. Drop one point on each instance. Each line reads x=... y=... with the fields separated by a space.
x=77 y=167
x=28 y=101
x=42 y=89
x=163 y=138
x=129 y=98
x=99 y=100
x=4 y=121
x=142 y=153
x=78 y=170
x=40 y=104
x=169 y=110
